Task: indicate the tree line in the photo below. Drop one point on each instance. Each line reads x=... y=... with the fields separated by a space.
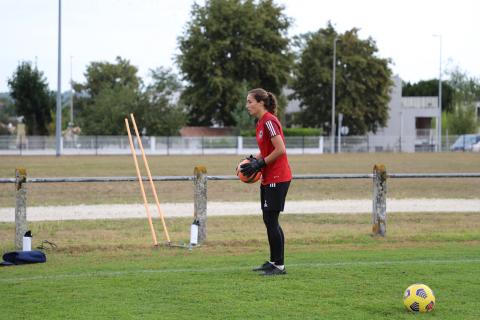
x=228 y=47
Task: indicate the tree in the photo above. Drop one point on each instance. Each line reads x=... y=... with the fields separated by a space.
x=243 y=121
x=164 y=114
x=102 y=75
x=32 y=99
x=466 y=92
x=466 y=89
x=111 y=92
x=227 y=43
x=363 y=81
x=429 y=88
x=106 y=114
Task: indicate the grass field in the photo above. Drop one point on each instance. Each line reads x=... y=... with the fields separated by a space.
x=107 y=269
x=336 y=270
x=95 y=193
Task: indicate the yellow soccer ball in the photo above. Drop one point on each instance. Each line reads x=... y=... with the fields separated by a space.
x=419 y=298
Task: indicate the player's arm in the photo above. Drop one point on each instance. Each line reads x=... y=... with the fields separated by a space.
x=279 y=149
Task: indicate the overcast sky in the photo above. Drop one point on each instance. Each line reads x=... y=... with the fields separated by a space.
x=146 y=31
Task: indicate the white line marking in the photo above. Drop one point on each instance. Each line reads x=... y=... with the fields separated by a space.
x=232 y=268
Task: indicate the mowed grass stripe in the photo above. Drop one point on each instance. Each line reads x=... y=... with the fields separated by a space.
x=238 y=268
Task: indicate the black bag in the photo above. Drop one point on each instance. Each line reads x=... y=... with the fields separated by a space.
x=23 y=257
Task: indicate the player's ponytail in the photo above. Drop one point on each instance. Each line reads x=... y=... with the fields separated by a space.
x=268 y=98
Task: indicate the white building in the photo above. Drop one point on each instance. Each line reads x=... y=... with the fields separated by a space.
x=410 y=127
x=411 y=123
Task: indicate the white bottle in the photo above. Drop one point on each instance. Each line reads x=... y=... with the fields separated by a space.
x=194 y=232
x=27 y=241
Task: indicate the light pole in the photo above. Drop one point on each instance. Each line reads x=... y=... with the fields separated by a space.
x=71 y=93
x=439 y=125
x=58 y=129
x=332 y=133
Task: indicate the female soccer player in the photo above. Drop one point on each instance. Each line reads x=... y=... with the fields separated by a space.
x=276 y=174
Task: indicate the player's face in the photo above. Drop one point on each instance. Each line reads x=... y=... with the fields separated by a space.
x=253 y=106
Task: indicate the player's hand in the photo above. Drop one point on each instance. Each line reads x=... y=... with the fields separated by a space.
x=253 y=166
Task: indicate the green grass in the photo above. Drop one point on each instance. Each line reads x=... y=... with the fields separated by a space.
x=97 y=193
x=108 y=269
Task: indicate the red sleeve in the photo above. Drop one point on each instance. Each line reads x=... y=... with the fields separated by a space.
x=271 y=128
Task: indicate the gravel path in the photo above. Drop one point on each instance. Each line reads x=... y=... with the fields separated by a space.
x=119 y=211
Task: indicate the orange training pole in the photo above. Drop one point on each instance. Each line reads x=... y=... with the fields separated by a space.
x=150 y=177
x=145 y=202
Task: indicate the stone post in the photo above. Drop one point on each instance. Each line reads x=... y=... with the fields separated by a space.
x=200 y=201
x=20 y=206
x=379 y=213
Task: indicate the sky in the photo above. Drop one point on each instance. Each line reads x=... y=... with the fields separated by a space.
x=146 y=31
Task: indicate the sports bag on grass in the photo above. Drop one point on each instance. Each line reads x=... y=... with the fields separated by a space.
x=23 y=257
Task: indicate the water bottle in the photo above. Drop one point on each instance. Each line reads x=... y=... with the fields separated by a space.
x=194 y=232
x=27 y=241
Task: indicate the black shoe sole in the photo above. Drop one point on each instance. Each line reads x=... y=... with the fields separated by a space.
x=274 y=273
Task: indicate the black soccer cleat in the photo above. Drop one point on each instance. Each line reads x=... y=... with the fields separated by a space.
x=266 y=266
x=274 y=272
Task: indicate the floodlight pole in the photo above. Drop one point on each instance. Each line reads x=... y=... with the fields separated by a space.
x=439 y=126
x=332 y=133
x=71 y=92
x=58 y=128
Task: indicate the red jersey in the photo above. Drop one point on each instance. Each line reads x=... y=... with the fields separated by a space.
x=279 y=170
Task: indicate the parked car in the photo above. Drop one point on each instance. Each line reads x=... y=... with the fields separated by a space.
x=465 y=142
x=476 y=147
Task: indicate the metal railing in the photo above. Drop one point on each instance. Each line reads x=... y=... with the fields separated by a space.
x=119 y=145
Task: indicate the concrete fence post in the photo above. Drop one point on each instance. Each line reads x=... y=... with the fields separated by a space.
x=379 y=213
x=200 y=201
x=20 y=206
x=239 y=145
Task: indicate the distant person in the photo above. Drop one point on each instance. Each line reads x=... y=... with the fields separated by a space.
x=276 y=174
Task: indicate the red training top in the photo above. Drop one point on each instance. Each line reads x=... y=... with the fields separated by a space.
x=279 y=170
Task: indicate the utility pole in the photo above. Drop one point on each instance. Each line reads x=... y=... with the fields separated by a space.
x=439 y=125
x=71 y=93
x=58 y=129
x=332 y=133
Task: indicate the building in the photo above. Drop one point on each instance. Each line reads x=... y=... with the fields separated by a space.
x=411 y=125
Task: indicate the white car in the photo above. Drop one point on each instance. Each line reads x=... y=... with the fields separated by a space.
x=476 y=147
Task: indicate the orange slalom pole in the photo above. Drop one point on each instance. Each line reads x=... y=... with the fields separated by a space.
x=150 y=177
x=139 y=176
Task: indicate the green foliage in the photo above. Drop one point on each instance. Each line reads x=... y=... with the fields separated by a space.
x=429 y=88
x=163 y=115
x=302 y=132
x=105 y=115
x=113 y=91
x=363 y=80
x=243 y=121
x=106 y=75
x=466 y=89
x=228 y=43
x=462 y=120
x=7 y=111
x=33 y=100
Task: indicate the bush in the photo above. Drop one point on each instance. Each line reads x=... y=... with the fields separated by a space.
x=302 y=132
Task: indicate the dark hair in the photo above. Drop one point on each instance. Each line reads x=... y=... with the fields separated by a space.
x=268 y=98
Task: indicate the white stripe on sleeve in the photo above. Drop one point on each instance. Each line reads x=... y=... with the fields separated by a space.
x=271 y=128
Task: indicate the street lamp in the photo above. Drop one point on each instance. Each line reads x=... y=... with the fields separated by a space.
x=439 y=126
x=71 y=92
x=58 y=129
x=332 y=133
